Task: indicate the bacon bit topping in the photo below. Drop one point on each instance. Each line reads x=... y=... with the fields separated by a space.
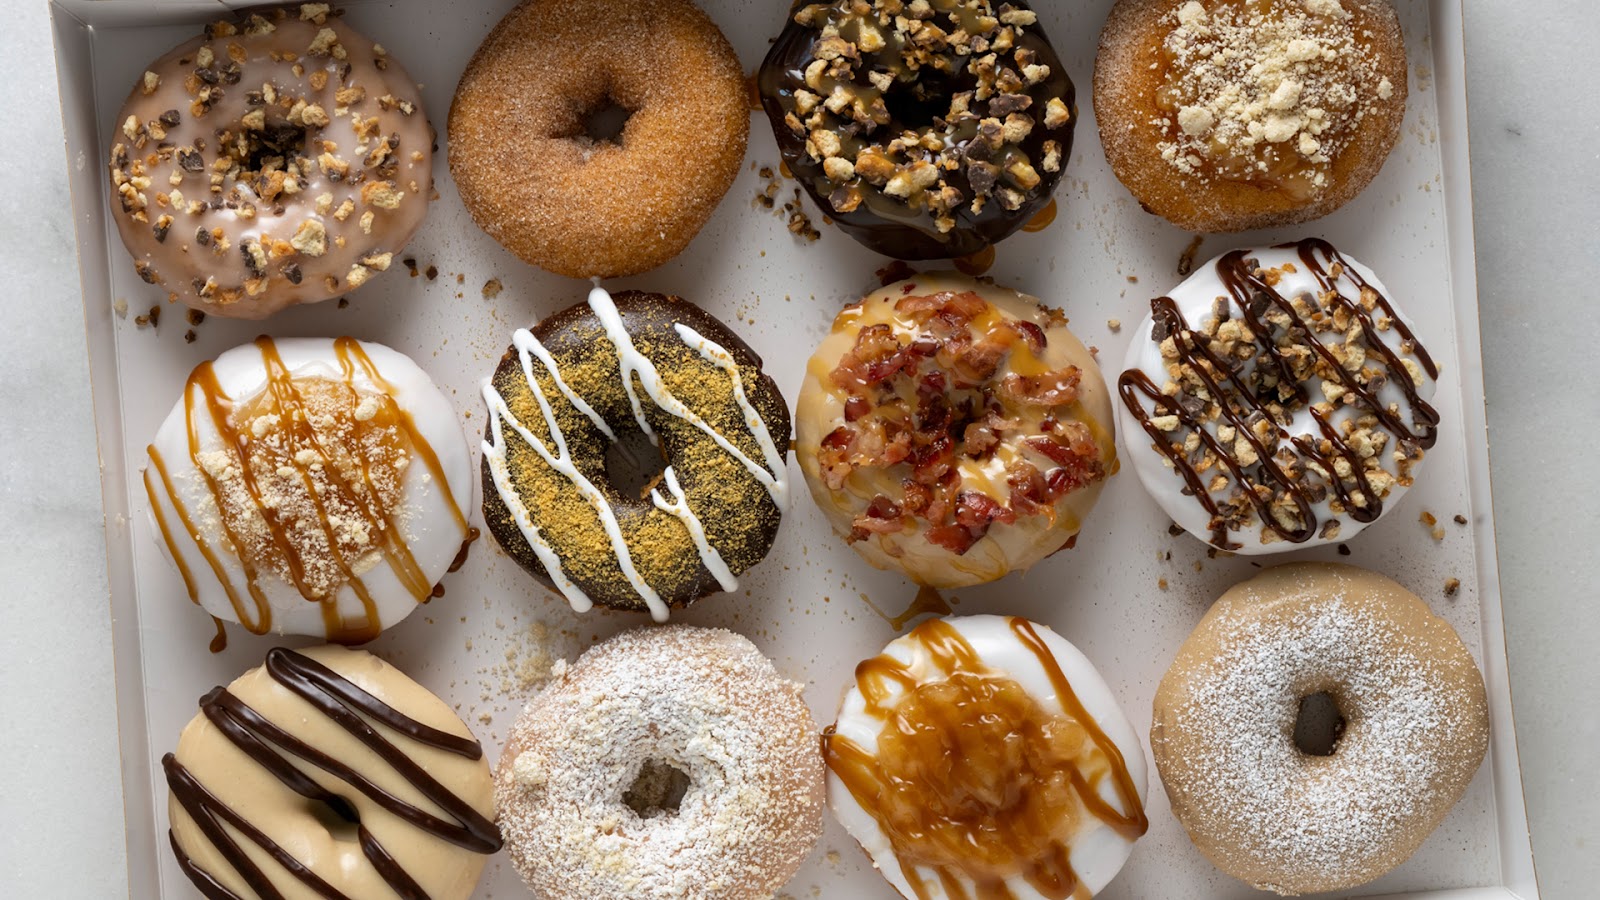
x=927 y=395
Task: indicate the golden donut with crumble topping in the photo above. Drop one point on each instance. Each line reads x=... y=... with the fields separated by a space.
x=1231 y=115
x=954 y=430
x=280 y=159
x=526 y=153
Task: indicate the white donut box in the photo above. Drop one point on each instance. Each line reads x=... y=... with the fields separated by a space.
x=1102 y=259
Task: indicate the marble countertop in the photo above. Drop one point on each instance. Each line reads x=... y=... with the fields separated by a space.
x=1532 y=115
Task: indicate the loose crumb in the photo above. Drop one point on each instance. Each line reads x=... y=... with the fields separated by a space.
x=1161 y=583
x=492 y=288
x=1186 y=258
x=1114 y=324
x=1451 y=586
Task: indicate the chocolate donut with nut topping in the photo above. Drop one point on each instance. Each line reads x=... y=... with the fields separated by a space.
x=278 y=159
x=926 y=129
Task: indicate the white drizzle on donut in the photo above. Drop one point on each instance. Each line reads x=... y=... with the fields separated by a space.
x=631 y=363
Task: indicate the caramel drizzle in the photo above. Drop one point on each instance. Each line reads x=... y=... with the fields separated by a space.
x=350 y=708
x=218 y=408
x=1237 y=402
x=883 y=680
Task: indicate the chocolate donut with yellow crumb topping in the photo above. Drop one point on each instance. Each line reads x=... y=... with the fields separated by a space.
x=278 y=160
x=954 y=429
x=1231 y=115
x=926 y=129
x=628 y=375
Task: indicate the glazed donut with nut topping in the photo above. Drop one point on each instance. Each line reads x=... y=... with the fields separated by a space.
x=954 y=430
x=282 y=159
x=927 y=129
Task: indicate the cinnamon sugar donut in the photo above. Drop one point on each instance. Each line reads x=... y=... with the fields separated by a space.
x=1283 y=801
x=536 y=182
x=665 y=763
x=279 y=159
x=1230 y=115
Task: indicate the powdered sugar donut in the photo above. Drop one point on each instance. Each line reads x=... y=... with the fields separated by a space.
x=665 y=763
x=1295 y=805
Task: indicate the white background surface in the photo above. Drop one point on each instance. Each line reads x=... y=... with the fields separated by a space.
x=1533 y=119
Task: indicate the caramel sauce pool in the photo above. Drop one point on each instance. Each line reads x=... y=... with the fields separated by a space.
x=975 y=264
x=1042 y=221
x=973 y=778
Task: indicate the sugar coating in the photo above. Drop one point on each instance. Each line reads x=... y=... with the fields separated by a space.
x=703 y=701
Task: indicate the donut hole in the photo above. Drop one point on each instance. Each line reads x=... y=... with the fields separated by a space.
x=338 y=816
x=915 y=107
x=604 y=122
x=1318 y=725
x=657 y=791
x=265 y=149
x=634 y=465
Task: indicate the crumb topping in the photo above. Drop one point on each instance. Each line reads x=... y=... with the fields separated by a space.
x=1264 y=91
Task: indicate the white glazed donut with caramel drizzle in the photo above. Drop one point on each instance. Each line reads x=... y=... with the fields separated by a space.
x=311 y=486
x=1045 y=797
x=954 y=429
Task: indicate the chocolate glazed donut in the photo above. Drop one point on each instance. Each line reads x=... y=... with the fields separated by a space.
x=926 y=130
x=636 y=375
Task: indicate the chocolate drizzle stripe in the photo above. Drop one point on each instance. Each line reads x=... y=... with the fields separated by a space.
x=1252 y=295
x=348 y=706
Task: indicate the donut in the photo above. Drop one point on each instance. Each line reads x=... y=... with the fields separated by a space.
x=314 y=486
x=954 y=430
x=537 y=177
x=667 y=762
x=327 y=772
x=1296 y=799
x=1232 y=115
x=1277 y=399
x=925 y=130
x=984 y=756
x=660 y=375
x=280 y=159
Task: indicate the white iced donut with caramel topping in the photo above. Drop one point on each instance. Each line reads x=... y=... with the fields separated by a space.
x=1326 y=419
x=954 y=430
x=280 y=159
x=984 y=756
x=311 y=486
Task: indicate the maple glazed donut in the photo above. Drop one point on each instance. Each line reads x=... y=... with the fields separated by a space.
x=607 y=372
x=327 y=772
x=984 y=756
x=1230 y=115
x=1293 y=798
x=284 y=159
x=954 y=430
x=667 y=762
x=535 y=177
x=1278 y=399
x=312 y=486
x=925 y=130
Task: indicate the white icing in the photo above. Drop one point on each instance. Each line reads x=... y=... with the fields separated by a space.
x=630 y=362
x=427 y=522
x=1098 y=852
x=1194 y=298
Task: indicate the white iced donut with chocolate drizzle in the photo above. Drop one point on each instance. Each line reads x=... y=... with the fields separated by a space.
x=326 y=772
x=312 y=486
x=1277 y=399
x=279 y=158
x=647 y=375
x=984 y=756
x=954 y=429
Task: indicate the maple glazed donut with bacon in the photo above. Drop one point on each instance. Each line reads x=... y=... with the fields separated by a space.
x=954 y=430
x=984 y=756
x=658 y=377
x=314 y=486
x=279 y=159
x=1278 y=399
